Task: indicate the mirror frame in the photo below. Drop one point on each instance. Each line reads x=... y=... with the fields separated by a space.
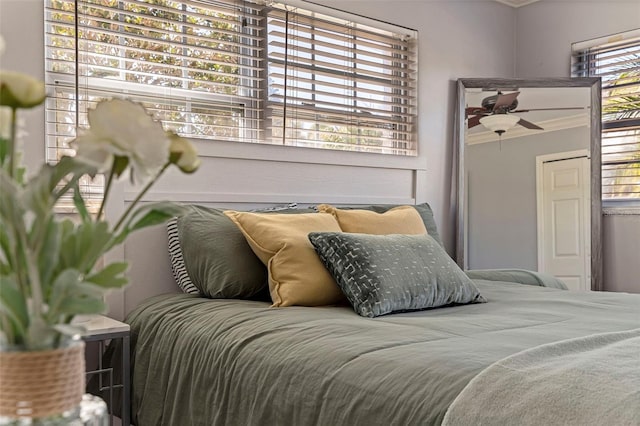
x=592 y=83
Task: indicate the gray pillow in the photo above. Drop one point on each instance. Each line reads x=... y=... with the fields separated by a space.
x=210 y=256
x=423 y=209
x=381 y=274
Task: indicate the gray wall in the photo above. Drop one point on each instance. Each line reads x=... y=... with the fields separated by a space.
x=457 y=39
x=622 y=252
x=544 y=33
x=501 y=184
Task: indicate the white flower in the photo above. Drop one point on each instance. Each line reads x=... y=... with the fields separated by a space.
x=124 y=129
x=95 y=155
x=19 y=90
x=183 y=154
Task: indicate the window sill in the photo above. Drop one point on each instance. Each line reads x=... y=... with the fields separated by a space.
x=620 y=207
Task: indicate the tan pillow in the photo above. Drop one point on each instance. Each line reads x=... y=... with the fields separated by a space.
x=398 y=220
x=296 y=273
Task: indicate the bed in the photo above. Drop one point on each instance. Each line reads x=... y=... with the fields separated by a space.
x=239 y=361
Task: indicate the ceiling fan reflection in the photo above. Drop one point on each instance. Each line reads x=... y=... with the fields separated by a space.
x=496 y=113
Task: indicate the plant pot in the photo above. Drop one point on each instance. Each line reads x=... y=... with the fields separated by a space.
x=46 y=384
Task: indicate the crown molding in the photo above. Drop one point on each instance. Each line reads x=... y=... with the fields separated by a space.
x=516 y=3
x=552 y=125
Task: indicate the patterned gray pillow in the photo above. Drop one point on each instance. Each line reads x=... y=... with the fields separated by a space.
x=381 y=274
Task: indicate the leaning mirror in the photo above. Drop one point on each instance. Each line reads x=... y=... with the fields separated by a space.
x=528 y=177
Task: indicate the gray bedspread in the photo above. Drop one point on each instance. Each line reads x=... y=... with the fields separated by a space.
x=586 y=381
x=520 y=276
x=230 y=362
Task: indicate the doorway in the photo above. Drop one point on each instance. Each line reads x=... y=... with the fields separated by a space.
x=564 y=217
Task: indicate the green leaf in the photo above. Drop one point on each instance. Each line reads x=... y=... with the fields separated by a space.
x=5 y=249
x=62 y=285
x=11 y=207
x=111 y=276
x=86 y=299
x=149 y=215
x=95 y=239
x=20 y=174
x=37 y=195
x=78 y=201
x=152 y=217
x=67 y=245
x=53 y=181
x=70 y=296
x=13 y=310
x=13 y=229
x=40 y=334
x=48 y=256
x=83 y=245
x=4 y=150
x=67 y=226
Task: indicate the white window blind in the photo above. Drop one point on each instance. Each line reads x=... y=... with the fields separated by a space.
x=196 y=65
x=339 y=83
x=616 y=60
x=234 y=70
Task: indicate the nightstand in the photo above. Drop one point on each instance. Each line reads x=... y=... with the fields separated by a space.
x=102 y=329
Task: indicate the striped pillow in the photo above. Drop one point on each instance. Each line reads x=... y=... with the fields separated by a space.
x=177 y=260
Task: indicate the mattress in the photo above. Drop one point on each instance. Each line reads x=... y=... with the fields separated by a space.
x=200 y=361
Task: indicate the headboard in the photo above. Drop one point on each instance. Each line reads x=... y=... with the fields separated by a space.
x=149 y=270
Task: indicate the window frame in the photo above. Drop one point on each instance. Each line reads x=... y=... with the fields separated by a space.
x=307 y=53
x=82 y=83
x=583 y=63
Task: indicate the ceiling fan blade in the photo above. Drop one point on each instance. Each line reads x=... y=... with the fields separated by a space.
x=474 y=111
x=549 y=109
x=474 y=121
x=529 y=125
x=504 y=100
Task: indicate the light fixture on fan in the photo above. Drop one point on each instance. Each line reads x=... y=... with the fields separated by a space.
x=499 y=123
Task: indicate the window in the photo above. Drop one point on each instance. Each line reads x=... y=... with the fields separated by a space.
x=616 y=60
x=250 y=71
x=195 y=65
x=340 y=84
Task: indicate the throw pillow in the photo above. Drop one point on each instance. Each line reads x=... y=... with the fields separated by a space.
x=177 y=259
x=381 y=274
x=398 y=220
x=296 y=275
x=210 y=256
x=424 y=210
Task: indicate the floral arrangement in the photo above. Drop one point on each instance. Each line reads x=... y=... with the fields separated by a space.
x=48 y=271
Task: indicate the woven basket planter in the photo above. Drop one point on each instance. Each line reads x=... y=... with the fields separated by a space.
x=39 y=384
